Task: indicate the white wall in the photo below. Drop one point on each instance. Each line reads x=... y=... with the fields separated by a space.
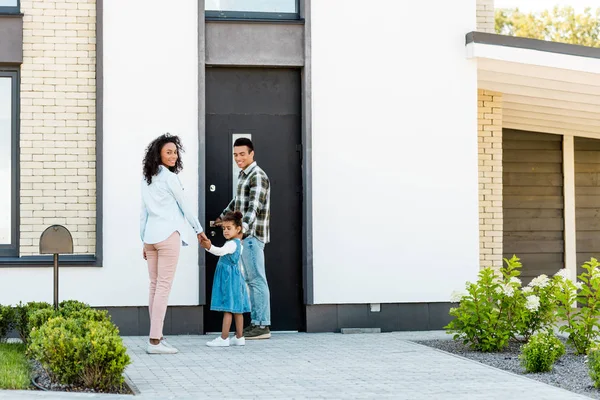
x=150 y=87
x=394 y=105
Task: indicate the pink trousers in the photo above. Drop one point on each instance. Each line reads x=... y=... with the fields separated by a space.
x=162 y=260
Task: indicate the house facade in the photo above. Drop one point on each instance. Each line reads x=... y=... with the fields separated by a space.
x=401 y=159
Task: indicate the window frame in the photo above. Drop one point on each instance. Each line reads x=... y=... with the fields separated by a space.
x=253 y=15
x=11 y=10
x=12 y=249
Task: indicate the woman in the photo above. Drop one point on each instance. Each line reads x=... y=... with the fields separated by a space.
x=162 y=229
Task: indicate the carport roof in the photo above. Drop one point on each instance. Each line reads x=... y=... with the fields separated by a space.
x=547 y=86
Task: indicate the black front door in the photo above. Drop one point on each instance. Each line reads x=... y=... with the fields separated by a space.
x=263 y=105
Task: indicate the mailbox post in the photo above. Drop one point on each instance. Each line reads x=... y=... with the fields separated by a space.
x=55 y=240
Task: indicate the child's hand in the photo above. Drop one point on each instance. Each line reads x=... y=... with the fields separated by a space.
x=205 y=244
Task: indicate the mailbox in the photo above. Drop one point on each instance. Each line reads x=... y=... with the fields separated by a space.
x=56 y=240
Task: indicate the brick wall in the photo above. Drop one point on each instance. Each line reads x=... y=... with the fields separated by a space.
x=485 y=16
x=58 y=91
x=490 y=177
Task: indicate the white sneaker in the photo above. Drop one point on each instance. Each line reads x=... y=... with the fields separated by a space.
x=160 y=348
x=164 y=341
x=218 y=342
x=238 y=342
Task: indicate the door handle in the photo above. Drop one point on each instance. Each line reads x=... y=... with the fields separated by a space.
x=212 y=233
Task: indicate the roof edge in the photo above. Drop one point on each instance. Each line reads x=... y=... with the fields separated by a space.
x=532 y=44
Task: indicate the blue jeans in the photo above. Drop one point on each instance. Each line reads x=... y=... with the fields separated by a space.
x=253 y=259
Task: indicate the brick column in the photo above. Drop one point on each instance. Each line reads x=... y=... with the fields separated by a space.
x=490 y=177
x=485 y=16
x=58 y=94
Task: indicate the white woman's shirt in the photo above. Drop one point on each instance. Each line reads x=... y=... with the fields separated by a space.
x=164 y=209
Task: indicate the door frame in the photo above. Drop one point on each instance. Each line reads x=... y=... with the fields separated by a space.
x=306 y=175
x=306 y=141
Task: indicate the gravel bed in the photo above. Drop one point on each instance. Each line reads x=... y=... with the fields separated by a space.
x=570 y=372
x=43 y=380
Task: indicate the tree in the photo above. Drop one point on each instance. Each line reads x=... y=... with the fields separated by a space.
x=561 y=24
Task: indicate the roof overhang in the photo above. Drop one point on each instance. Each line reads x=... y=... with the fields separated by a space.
x=547 y=87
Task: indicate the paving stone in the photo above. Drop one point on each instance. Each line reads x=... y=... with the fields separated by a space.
x=313 y=366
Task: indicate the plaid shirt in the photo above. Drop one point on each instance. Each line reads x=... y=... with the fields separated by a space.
x=253 y=201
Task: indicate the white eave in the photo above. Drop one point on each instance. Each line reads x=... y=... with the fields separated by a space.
x=547 y=87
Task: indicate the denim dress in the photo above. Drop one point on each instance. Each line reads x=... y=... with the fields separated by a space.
x=229 y=292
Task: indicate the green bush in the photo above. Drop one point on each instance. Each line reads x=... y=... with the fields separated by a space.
x=54 y=345
x=488 y=311
x=582 y=324
x=88 y=315
x=593 y=363
x=541 y=352
x=537 y=307
x=7 y=321
x=80 y=351
x=67 y=307
x=105 y=356
x=35 y=314
x=37 y=318
x=22 y=312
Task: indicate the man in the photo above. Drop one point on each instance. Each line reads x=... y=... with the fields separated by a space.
x=253 y=201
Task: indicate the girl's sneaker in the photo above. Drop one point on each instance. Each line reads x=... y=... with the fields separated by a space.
x=164 y=341
x=237 y=342
x=218 y=342
x=160 y=348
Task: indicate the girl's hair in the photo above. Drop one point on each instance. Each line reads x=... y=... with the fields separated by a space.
x=235 y=217
x=152 y=159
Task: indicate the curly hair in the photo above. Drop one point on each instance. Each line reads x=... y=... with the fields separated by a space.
x=152 y=160
x=235 y=217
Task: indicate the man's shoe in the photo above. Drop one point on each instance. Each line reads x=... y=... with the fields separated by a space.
x=248 y=329
x=160 y=348
x=218 y=342
x=258 y=333
x=237 y=341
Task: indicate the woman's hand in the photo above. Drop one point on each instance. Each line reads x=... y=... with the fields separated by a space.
x=205 y=244
x=144 y=253
x=202 y=236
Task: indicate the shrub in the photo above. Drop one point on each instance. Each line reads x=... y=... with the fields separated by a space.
x=54 y=345
x=593 y=363
x=485 y=316
x=541 y=352
x=105 y=356
x=37 y=318
x=79 y=351
x=22 y=312
x=7 y=321
x=88 y=315
x=67 y=307
x=537 y=307
x=581 y=324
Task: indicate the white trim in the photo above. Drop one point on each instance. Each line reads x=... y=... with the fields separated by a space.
x=570 y=231
x=533 y=57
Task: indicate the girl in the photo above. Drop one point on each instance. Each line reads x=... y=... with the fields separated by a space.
x=162 y=229
x=229 y=293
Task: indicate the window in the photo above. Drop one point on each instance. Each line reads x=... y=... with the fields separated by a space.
x=9 y=146
x=252 y=9
x=10 y=6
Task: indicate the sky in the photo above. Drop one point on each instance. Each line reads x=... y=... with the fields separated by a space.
x=540 y=5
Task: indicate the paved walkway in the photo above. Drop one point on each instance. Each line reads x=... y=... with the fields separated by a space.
x=315 y=366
